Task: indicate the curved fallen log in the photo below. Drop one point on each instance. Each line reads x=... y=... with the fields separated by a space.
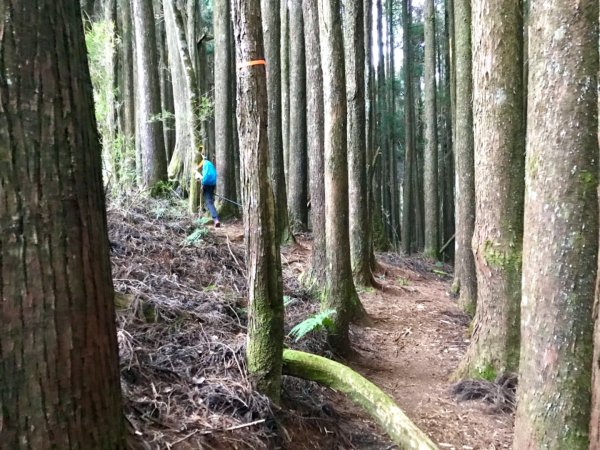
x=362 y=392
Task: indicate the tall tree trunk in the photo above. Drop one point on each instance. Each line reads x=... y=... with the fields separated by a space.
x=499 y=187
x=316 y=139
x=59 y=366
x=561 y=227
x=409 y=141
x=431 y=138
x=150 y=133
x=381 y=136
x=223 y=107
x=391 y=133
x=357 y=146
x=446 y=185
x=285 y=87
x=272 y=36
x=371 y=151
x=194 y=121
x=341 y=293
x=166 y=88
x=127 y=92
x=298 y=162
x=466 y=278
x=265 y=321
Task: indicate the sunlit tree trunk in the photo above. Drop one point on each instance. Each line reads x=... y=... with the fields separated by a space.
x=265 y=310
x=499 y=187
x=150 y=130
x=59 y=366
x=272 y=37
x=560 y=242
x=316 y=151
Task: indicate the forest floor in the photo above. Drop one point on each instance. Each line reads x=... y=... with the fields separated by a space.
x=181 y=299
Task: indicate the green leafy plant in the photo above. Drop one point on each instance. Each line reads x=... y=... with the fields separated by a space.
x=195 y=238
x=319 y=321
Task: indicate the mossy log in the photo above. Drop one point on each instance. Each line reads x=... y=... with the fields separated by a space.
x=362 y=392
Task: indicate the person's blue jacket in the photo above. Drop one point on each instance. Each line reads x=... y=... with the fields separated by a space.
x=209 y=174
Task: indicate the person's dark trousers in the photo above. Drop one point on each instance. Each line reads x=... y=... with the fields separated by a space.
x=209 y=199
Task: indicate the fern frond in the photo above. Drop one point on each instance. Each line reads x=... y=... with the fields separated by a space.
x=317 y=322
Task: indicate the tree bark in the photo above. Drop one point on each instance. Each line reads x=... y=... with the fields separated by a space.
x=272 y=36
x=391 y=132
x=499 y=187
x=298 y=161
x=150 y=133
x=357 y=145
x=409 y=141
x=561 y=227
x=127 y=88
x=431 y=138
x=464 y=161
x=316 y=140
x=59 y=367
x=595 y=421
x=285 y=87
x=223 y=108
x=265 y=317
x=340 y=293
x=446 y=185
x=166 y=88
x=382 y=180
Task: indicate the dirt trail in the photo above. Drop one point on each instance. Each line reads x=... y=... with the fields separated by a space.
x=182 y=335
x=415 y=340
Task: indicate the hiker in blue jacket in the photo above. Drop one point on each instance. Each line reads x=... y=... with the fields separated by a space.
x=207 y=175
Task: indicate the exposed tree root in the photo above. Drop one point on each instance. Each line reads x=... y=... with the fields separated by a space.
x=362 y=392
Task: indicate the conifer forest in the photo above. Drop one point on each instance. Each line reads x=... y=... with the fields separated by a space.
x=299 y=224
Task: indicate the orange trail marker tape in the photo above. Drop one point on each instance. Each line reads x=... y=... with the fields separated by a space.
x=257 y=62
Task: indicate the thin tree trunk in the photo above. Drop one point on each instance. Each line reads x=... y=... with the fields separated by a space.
x=316 y=140
x=341 y=293
x=466 y=278
x=59 y=364
x=446 y=187
x=391 y=135
x=150 y=134
x=265 y=315
x=223 y=107
x=272 y=36
x=561 y=228
x=381 y=136
x=409 y=142
x=499 y=174
x=298 y=161
x=357 y=146
x=431 y=139
x=127 y=92
x=285 y=87
x=166 y=89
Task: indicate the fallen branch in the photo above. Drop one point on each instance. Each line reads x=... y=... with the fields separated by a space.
x=362 y=392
